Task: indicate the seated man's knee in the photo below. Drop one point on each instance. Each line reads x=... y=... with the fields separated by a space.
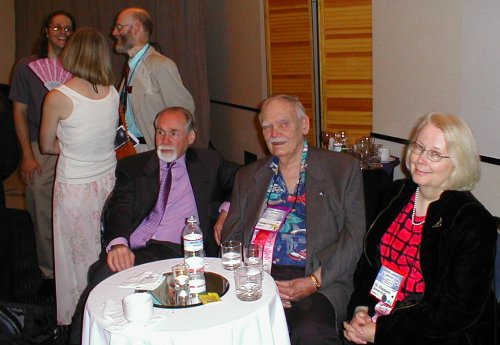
x=98 y=272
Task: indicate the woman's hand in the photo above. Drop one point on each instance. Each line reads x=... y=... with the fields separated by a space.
x=361 y=329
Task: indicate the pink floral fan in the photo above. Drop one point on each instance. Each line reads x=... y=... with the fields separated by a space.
x=50 y=72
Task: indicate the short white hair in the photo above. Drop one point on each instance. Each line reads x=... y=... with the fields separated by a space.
x=300 y=111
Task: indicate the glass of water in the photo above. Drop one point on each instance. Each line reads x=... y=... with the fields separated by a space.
x=252 y=255
x=248 y=282
x=231 y=255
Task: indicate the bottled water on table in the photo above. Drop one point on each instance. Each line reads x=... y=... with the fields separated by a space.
x=194 y=257
x=192 y=236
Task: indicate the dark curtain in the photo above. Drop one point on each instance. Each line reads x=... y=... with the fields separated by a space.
x=178 y=27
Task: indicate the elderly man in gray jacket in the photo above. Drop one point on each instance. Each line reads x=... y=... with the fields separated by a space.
x=315 y=200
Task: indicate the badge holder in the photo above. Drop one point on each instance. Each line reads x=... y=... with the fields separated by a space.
x=385 y=289
x=266 y=230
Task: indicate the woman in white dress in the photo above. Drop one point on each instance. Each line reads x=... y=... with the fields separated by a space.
x=79 y=124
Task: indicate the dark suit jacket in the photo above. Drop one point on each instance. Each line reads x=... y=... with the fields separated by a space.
x=335 y=217
x=137 y=187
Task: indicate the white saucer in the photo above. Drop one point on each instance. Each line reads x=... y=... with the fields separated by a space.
x=391 y=159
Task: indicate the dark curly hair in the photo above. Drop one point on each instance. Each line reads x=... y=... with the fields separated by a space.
x=41 y=47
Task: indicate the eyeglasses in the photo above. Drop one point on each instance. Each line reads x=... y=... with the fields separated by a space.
x=120 y=26
x=433 y=155
x=58 y=28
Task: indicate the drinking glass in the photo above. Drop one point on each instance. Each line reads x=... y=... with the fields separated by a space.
x=252 y=255
x=231 y=255
x=248 y=282
x=325 y=137
x=179 y=270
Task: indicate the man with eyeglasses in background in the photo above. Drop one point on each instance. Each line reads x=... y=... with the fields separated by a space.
x=37 y=170
x=151 y=82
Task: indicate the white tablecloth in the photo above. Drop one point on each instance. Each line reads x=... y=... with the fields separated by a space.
x=230 y=321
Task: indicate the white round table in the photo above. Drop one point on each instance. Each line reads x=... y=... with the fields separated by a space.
x=229 y=321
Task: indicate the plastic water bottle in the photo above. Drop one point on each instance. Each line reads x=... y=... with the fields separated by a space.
x=194 y=257
x=193 y=245
x=197 y=286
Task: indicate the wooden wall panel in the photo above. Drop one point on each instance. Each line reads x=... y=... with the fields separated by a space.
x=290 y=52
x=346 y=66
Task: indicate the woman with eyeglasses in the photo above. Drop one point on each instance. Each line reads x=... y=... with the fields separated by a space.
x=426 y=274
x=27 y=92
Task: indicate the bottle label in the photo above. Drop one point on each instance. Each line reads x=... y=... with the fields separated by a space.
x=193 y=242
x=195 y=263
x=197 y=286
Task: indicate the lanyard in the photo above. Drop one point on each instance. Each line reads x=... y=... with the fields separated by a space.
x=129 y=76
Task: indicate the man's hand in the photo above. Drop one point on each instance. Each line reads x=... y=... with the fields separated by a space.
x=120 y=257
x=30 y=167
x=294 y=290
x=218 y=225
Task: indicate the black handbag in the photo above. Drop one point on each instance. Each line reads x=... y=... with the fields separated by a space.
x=27 y=324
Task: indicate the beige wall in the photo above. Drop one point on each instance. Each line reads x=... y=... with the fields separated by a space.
x=7 y=40
x=236 y=65
x=439 y=56
x=236 y=74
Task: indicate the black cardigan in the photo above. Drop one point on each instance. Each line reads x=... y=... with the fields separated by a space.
x=457 y=256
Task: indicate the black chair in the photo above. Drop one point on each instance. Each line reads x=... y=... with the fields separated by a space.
x=374 y=183
x=103 y=222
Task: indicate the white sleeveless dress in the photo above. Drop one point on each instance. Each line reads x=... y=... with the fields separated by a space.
x=84 y=179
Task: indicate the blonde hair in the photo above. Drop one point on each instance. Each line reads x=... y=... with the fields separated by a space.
x=86 y=55
x=461 y=146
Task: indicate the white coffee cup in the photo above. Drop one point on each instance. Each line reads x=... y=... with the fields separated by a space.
x=138 y=307
x=384 y=154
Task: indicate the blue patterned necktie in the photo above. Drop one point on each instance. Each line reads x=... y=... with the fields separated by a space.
x=149 y=225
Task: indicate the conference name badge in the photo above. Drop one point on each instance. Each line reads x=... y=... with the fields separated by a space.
x=272 y=219
x=266 y=230
x=387 y=285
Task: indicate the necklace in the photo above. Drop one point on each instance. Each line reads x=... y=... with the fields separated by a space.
x=415 y=211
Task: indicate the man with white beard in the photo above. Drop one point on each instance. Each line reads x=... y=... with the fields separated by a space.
x=201 y=181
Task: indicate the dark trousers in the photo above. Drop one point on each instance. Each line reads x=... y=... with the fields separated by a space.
x=99 y=271
x=312 y=319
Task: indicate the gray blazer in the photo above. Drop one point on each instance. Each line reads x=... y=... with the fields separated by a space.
x=335 y=217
